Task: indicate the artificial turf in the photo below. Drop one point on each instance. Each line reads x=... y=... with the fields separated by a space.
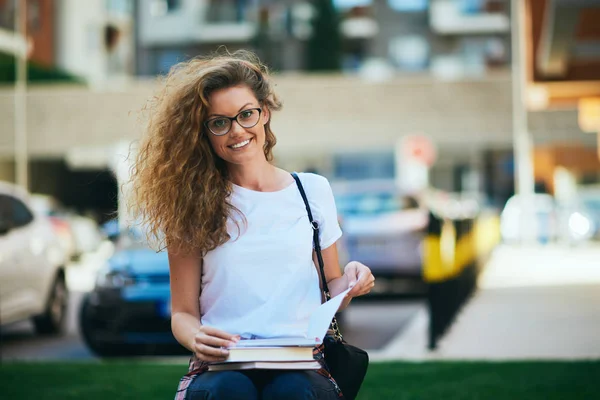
x=546 y=380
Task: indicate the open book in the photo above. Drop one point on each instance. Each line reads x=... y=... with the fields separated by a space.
x=319 y=323
x=289 y=349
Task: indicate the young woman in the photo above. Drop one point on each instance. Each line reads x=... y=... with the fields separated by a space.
x=235 y=227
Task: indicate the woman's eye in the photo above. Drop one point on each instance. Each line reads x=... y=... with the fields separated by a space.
x=247 y=114
x=219 y=123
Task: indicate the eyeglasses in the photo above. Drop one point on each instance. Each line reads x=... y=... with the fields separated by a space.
x=220 y=126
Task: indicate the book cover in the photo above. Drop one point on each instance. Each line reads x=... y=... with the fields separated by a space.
x=283 y=353
x=264 y=365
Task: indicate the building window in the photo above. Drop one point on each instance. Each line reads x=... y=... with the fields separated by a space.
x=159 y=8
x=34 y=16
x=409 y=52
x=7 y=15
x=349 y=4
x=408 y=5
x=173 y=5
x=166 y=59
x=119 y=7
x=229 y=10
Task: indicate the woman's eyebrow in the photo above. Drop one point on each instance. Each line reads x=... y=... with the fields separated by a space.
x=221 y=115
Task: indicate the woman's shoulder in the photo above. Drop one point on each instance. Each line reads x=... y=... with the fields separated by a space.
x=312 y=179
x=316 y=184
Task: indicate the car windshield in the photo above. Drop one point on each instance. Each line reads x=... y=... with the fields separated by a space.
x=372 y=203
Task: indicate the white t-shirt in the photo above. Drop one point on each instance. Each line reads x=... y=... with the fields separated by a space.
x=263 y=282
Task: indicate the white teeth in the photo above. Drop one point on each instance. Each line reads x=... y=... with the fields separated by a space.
x=241 y=144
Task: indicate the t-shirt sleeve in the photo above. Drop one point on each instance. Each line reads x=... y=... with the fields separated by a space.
x=325 y=212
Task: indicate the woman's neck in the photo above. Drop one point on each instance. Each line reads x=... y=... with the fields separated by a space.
x=260 y=176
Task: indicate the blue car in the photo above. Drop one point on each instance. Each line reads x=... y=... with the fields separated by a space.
x=128 y=311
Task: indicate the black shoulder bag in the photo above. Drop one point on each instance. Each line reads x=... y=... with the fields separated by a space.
x=347 y=364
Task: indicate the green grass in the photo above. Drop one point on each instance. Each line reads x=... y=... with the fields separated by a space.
x=406 y=381
x=35 y=73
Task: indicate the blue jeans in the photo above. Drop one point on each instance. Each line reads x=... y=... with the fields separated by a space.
x=261 y=384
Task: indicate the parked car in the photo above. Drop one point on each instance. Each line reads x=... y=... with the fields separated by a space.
x=79 y=234
x=128 y=311
x=548 y=220
x=588 y=199
x=32 y=265
x=48 y=206
x=382 y=228
x=87 y=233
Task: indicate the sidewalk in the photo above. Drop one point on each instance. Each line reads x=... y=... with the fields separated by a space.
x=532 y=303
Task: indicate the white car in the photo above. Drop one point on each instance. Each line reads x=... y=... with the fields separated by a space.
x=382 y=228
x=32 y=265
x=548 y=221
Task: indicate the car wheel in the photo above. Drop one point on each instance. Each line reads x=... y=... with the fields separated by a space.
x=53 y=320
x=89 y=329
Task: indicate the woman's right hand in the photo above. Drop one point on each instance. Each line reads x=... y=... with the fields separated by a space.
x=210 y=344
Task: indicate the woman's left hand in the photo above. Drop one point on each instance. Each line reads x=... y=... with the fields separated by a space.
x=359 y=276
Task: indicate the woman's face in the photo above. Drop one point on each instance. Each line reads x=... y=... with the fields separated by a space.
x=239 y=145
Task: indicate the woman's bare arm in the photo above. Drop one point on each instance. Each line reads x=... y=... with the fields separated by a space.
x=206 y=342
x=185 y=274
x=356 y=273
x=336 y=282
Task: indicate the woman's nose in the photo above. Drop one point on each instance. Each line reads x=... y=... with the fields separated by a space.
x=236 y=129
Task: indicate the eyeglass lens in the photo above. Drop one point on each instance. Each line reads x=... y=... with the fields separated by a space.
x=246 y=118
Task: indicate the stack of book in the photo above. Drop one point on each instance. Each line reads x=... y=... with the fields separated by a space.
x=283 y=353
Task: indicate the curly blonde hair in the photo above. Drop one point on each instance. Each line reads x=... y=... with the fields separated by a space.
x=180 y=187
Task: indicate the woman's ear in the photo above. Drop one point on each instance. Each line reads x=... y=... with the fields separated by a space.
x=266 y=115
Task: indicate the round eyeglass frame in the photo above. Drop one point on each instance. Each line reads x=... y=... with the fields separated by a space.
x=232 y=119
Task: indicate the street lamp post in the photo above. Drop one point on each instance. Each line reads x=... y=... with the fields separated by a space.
x=522 y=141
x=20 y=98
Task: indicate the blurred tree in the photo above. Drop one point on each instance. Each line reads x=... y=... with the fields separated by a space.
x=325 y=45
x=35 y=72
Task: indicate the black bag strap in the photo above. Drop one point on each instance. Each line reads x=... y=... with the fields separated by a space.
x=317 y=246
x=316 y=242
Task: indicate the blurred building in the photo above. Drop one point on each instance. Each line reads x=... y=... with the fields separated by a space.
x=562 y=44
x=41 y=25
x=436 y=68
x=176 y=30
x=95 y=39
x=453 y=38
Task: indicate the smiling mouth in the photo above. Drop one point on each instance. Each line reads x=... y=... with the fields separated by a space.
x=240 y=144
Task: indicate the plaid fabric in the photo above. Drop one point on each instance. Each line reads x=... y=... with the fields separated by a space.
x=197 y=367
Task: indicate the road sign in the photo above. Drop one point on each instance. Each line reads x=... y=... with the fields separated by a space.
x=419 y=148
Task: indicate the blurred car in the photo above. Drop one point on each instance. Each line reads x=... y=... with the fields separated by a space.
x=32 y=265
x=87 y=233
x=588 y=199
x=544 y=219
x=382 y=229
x=548 y=220
x=47 y=205
x=128 y=311
x=79 y=234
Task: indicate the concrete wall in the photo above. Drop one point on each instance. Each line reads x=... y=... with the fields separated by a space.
x=79 y=37
x=7 y=170
x=322 y=115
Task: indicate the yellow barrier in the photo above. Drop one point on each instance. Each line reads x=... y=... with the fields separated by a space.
x=444 y=257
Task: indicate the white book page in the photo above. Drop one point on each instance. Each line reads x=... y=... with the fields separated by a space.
x=318 y=325
x=320 y=320
x=275 y=342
